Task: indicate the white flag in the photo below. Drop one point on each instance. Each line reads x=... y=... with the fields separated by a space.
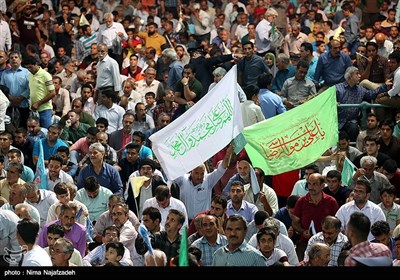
x=201 y=131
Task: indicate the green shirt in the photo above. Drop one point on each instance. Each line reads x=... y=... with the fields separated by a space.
x=74 y=134
x=40 y=85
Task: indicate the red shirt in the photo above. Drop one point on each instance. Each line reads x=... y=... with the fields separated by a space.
x=307 y=211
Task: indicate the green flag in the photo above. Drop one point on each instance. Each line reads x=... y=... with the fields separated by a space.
x=348 y=171
x=183 y=249
x=295 y=138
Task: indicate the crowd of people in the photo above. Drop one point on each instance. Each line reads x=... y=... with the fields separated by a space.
x=84 y=84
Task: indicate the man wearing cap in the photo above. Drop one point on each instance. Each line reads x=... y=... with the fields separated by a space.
x=263 y=32
x=147 y=168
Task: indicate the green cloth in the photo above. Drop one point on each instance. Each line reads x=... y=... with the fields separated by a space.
x=295 y=138
x=73 y=134
x=85 y=118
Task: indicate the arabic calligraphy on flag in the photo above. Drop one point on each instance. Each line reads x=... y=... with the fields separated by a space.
x=296 y=138
x=202 y=131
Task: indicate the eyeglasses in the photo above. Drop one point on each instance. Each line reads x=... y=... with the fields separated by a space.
x=113 y=235
x=55 y=252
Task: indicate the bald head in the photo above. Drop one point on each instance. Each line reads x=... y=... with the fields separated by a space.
x=380 y=38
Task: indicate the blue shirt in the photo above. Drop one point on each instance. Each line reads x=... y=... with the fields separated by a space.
x=331 y=69
x=175 y=73
x=353 y=95
x=108 y=177
x=281 y=76
x=18 y=83
x=270 y=103
x=311 y=69
x=47 y=150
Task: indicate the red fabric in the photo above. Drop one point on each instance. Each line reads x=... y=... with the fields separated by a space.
x=283 y=183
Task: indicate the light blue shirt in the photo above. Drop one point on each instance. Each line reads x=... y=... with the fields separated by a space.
x=18 y=84
x=96 y=206
x=271 y=104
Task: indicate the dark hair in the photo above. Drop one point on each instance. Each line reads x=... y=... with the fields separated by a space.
x=260 y=216
x=91 y=184
x=101 y=120
x=28 y=229
x=118 y=246
x=251 y=90
x=307 y=46
x=93 y=130
x=390 y=166
x=291 y=201
x=268 y=231
x=63 y=149
x=334 y=174
x=56 y=229
x=153 y=213
x=264 y=80
x=56 y=157
x=379 y=228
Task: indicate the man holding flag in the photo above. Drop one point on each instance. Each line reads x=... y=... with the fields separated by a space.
x=196 y=187
x=264 y=31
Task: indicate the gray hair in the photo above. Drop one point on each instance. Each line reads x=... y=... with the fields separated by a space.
x=97 y=146
x=31 y=187
x=284 y=58
x=349 y=71
x=73 y=189
x=272 y=223
x=34 y=215
x=316 y=250
x=67 y=245
x=368 y=160
x=170 y=53
x=219 y=71
x=108 y=16
x=297 y=25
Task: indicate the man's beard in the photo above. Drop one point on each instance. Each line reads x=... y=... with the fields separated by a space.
x=151 y=33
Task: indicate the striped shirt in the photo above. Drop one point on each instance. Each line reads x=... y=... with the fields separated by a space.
x=245 y=255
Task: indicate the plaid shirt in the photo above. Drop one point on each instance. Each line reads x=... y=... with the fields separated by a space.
x=336 y=247
x=160 y=108
x=367 y=249
x=353 y=95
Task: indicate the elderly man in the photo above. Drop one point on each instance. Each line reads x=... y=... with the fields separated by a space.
x=196 y=188
x=106 y=174
x=350 y=92
x=111 y=34
x=108 y=76
x=263 y=32
x=377 y=180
